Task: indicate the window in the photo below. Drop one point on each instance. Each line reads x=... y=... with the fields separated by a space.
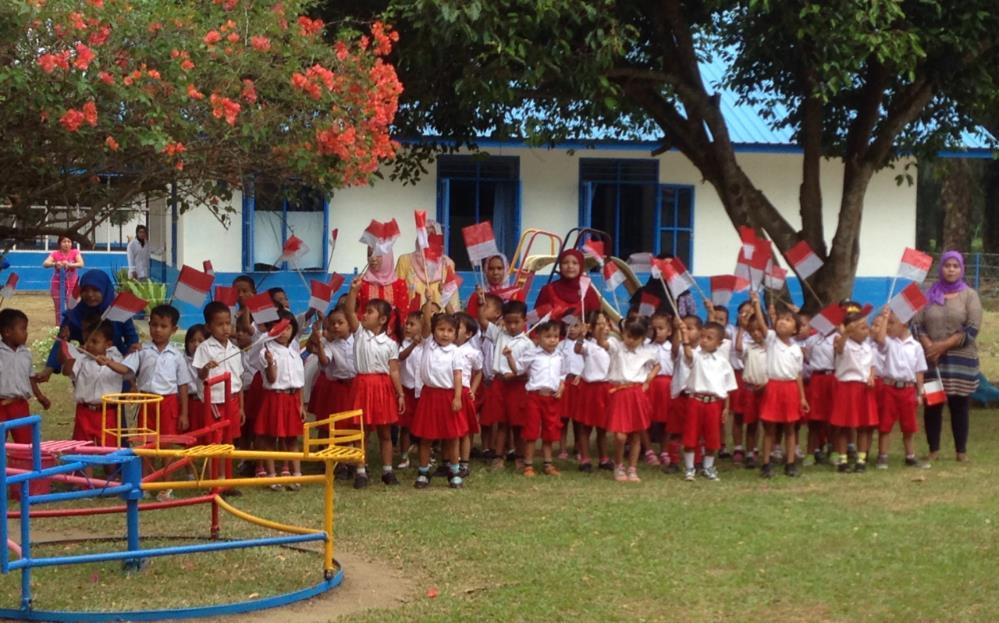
x=472 y=189
x=676 y=222
x=620 y=197
x=271 y=215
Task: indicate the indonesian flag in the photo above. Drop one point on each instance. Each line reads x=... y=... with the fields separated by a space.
x=336 y=282
x=334 y=234
x=775 y=277
x=804 y=259
x=538 y=316
x=914 y=265
x=742 y=270
x=749 y=241
x=193 y=286
x=278 y=328
x=124 y=307
x=933 y=393
x=724 y=286
x=640 y=262
x=613 y=276
x=508 y=293
x=675 y=274
x=435 y=251
x=584 y=286
x=451 y=284
x=480 y=241
x=208 y=268
x=380 y=236
x=227 y=296
x=320 y=295
x=422 y=239
x=262 y=308
x=10 y=287
x=648 y=304
x=293 y=249
x=595 y=249
x=826 y=321
x=908 y=302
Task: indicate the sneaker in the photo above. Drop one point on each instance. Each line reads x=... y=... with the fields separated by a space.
x=651 y=458
x=389 y=478
x=738 y=457
x=633 y=475
x=464 y=471
x=529 y=472
x=361 y=481
x=586 y=468
x=671 y=468
x=456 y=482
x=821 y=458
x=851 y=453
x=295 y=486
x=843 y=468
x=689 y=475
x=343 y=472
x=882 y=462
x=620 y=475
x=276 y=487
x=911 y=461
x=563 y=456
x=766 y=471
x=404 y=463
x=860 y=468
x=791 y=470
x=750 y=462
x=550 y=470
x=476 y=453
x=422 y=482
x=711 y=473
x=488 y=455
x=607 y=465
x=724 y=454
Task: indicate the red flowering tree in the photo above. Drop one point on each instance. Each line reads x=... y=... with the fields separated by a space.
x=107 y=100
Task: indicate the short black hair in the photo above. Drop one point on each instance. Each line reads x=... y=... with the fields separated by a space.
x=665 y=315
x=635 y=328
x=194 y=331
x=470 y=324
x=697 y=320
x=723 y=309
x=284 y=314
x=272 y=292
x=790 y=314
x=246 y=279
x=168 y=312
x=717 y=328
x=493 y=299
x=101 y=327
x=443 y=318
x=10 y=317
x=547 y=326
x=214 y=309
x=384 y=310
x=515 y=307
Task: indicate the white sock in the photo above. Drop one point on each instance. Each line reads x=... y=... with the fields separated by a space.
x=362 y=471
x=688 y=460
x=739 y=448
x=709 y=461
x=386 y=469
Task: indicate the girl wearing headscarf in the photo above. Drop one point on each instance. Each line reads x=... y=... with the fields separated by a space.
x=96 y=295
x=948 y=328
x=564 y=291
x=379 y=281
x=424 y=279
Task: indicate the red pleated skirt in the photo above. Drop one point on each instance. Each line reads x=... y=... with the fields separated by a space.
x=317 y=398
x=628 y=409
x=781 y=402
x=468 y=408
x=854 y=406
x=569 y=402
x=195 y=413
x=435 y=419
x=677 y=422
x=660 y=398
x=492 y=403
x=280 y=414
x=515 y=402
x=738 y=399
x=592 y=400
x=406 y=417
x=374 y=394
x=821 y=396
x=252 y=397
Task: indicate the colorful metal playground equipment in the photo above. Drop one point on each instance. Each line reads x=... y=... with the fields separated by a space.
x=69 y=462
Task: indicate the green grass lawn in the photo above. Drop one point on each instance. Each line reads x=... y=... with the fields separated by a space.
x=902 y=545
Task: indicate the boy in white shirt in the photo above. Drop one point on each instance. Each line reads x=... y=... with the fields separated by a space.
x=214 y=357
x=17 y=383
x=160 y=368
x=543 y=367
x=96 y=371
x=904 y=369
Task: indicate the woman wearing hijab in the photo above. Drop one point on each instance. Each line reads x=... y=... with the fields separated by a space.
x=96 y=295
x=424 y=279
x=565 y=291
x=380 y=282
x=947 y=328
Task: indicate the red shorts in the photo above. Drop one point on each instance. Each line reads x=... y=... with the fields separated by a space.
x=628 y=409
x=169 y=416
x=515 y=402
x=374 y=394
x=468 y=408
x=228 y=411
x=677 y=421
x=195 y=413
x=18 y=408
x=660 y=398
x=781 y=402
x=854 y=406
x=899 y=404
x=879 y=394
x=543 y=419
x=87 y=425
x=704 y=421
x=492 y=403
x=821 y=396
x=280 y=414
x=592 y=400
x=435 y=417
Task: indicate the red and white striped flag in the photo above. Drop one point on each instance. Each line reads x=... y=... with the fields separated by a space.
x=648 y=304
x=320 y=295
x=435 y=244
x=584 y=286
x=227 y=296
x=451 y=284
x=262 y=308
x=674 y=273
x=422 y=239
x=293 y=249
x=775 y=277
x=125 y=306
x=380 y=237
x=595 y=249
x=208 y=268
x=334 y=234
x=724 y=286
x=641 y=262
x=742 y=269
x=933 y=393
x=749 y=241
x=278 y=328
x=336 y=282
x=613 y=276
x=10 y=287
x=915 y=265
x=480 y=242
x=908 y=302
x=804 y=259
x=826 y=321
x=542 y=313
x=192 y=286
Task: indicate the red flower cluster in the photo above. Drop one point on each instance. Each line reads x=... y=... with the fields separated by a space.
x=212 y=38
x=310 y=81
x=105 y=77
x=309 y=27
x=335 y=142
x=194 y=93
x=77 y=20
x=49 y=62
x=225 y=107
x=90 y=113
x=249 y=91
x=110 y=143
x=260 y=43
x=72 y=119
x=384 y=38
x=228 y=5
x=100 y=36
x=174 y=148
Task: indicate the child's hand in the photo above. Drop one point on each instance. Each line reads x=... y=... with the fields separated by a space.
x=302 y=414
x=242 y=416
x=134 y=348
x=645 y=387
x=754 y=296
x=269 y=357
x=870 y=382
x=402 y=404
x=184 y=422
x=805 y=407
x=456 y=405
x=211 y=365
x=45 y=402
x=102 y=360
x=355 y=284
x=559 y=392
x=507 y=352
x=576 y=380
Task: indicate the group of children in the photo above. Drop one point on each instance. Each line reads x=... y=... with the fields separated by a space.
x=662 y=379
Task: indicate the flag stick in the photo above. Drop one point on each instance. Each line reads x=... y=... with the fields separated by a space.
x=894 y=282
x=308 y=289
x=669 y=296
x=699 y=290
x=808 y=286
x=617 y=304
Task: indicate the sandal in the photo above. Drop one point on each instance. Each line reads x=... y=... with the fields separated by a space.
x=633 y=475
x=651 y=458
x=620 y=475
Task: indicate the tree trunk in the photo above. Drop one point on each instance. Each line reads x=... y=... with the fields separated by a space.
x=956 y=200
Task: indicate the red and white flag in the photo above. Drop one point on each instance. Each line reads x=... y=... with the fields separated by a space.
x=749 y=241
x=278 y=328
x=227 y=296
x=480 y=242
x=538 y=316
x=125 y=306
x=334 y=234
x=320 y=295
x=422 y=239
x=724 y=286
x=908 y=302
x=775 y=277
x=208 y=268
x=595 y=249
x=584 y=286
x=451 y=284
x=933 y=393
x=648 y=304
x=435 y=241
x=613 y=276
x=826 y=321
x=336 y=282
x=674 y=273
x=742 y=269
x=915 y=265
x=193 y=286
x=803 y=259
x=380 y=237
x=10 y=287
x=641 y=262
x=262 y=308
x=293 y=249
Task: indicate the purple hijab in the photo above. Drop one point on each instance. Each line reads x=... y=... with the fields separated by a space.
x=935 y=295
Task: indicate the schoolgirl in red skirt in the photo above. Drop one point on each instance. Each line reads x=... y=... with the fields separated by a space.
x=753 y=350
x=742 y=399
x=196 y=411
x=593 y=391
x=278 y=424
x=440 y=409
x=855 y=407
x=569 y=402
x=470 y=359
x=633 y=366
x=660 y=391
x=821 y=391
x=409 y=370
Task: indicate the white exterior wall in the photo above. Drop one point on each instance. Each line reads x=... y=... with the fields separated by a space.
x=201 y=236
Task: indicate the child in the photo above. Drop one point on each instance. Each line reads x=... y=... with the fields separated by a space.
x=377 y=389
x=593 y=391
x=161 y=369
x=279 y=421
x=676 y=423
x=408 y=373
x=545 y=382
x=572 y=364
x=708 y=386
x=334 y=386
x=512 y=387
x=742 y=398
x=17 y=382
x=659 y=391
x=854 y=407
x=96 y=371
x=905 y=365
x=821 y=391
x=491 y=396
x=784 y=395
x=633 y=366
x=752 y=347
x=439 y=407
x=469 y=359
x=214 y=357
x=196 y=334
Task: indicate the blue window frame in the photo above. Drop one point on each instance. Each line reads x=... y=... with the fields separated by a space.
x=621 y=197
x=271 y=215
x=472 y=189
x=675 y=222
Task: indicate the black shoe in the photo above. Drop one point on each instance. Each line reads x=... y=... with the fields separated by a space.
x=511 y=455
x=246 y=469
x=843 y=468
x=766 y=471
x=607 y=465
x=464 y=471
x=586 y=468
x=232 y=493
x=860 y=468
x=487 y=455
x=791 y=469
x=672 y=468
x=724 y=454
x=476 y=454
x=443 y=470
x=750 y=462
x=911 y=461
x=389 y=478
x=820 y=457
x=361 y=481
x=422 y=482
x=344 y=472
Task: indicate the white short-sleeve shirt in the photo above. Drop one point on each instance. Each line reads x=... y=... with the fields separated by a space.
x=784 y=361
x=629 y=366
x=571 y=362
x=469 y=359
x=15 y=371
x=855 y=362
x=904 y=359
x=821 y=352
x=372 y=353
x=543 y=369
x=341 y=366
x=158 y=371
x=501 y=341
x=290 y=367
x=229 y=358
x=681 y=373
x=410 y=367
x=711 y=373
x=596 y=362
x=91 y=380
x=437 y=364
x=754 y=369
x=664 y=357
